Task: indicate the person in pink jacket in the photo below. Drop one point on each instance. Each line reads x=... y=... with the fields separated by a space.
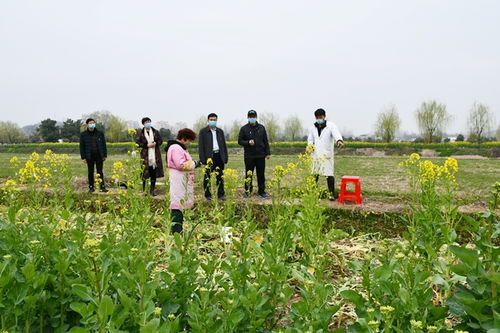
x=181 y=171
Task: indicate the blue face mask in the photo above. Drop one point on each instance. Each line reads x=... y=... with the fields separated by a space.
x=92 y=125
x=320 y=121
x=148 y=125
x=252 y=120
x=212 y=123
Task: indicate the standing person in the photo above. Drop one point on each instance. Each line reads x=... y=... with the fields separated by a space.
x=181 y=171
x=93 y=151
x=253 y=138
x=212 y=145
x=149 y=139
x=322 y=136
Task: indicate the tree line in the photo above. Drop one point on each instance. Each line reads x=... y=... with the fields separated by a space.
x=431 y=117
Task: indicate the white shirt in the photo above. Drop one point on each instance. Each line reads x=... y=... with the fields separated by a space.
x=214 y=139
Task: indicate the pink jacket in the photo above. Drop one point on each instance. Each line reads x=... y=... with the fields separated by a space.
x=181 y=171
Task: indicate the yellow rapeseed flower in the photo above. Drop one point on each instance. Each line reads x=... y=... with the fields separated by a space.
x=132 y=131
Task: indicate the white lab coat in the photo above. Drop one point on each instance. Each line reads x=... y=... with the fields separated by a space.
x=322 y=157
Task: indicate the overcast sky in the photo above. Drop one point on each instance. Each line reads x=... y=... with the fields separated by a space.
x=177 y=60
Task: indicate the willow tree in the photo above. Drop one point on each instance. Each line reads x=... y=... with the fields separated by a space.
x=271 y=122
x=480 y=122
x=388 y=124
x=432 y=117
x=293 y=128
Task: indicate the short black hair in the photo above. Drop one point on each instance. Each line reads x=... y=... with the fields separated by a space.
x=89 y=120
x=212 y=115
x=319 y=112
x=145 y=119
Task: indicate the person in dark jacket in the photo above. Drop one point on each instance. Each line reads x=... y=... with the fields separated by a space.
x=149 y=139
x=253 y=138
x=93 y=151
x=212 y=148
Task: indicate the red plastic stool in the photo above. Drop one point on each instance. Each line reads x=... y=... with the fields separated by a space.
x=356 y=195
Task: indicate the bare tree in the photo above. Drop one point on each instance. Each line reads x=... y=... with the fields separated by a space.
x=177 y=126
x=480 y=122
x=271 y=122
x=293 y=128
x=497 y=136
x=388 y=124
x=432 y=117
x=199 y=124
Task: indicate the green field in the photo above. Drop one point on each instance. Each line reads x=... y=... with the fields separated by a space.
x=380 y=176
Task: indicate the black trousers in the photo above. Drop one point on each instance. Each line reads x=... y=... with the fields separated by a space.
x=95 y=159
x=260 y=165
x=330 y=180
x=218 y=167
x=177 y=220
x=152 y=178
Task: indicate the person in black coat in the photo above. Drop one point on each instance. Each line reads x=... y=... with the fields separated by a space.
x=149 y=139
x=253 y=138
x=212 y=145
x=93 y=151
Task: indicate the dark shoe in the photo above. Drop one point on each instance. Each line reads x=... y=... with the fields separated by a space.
x=332 y=198
x=222 y=198
x=208 y=198
x=247 y=195
x=104 y=190
x=264 y=195
x=153 y=193
x=91 y=190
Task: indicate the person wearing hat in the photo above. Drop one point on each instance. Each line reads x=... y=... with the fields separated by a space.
x=212 y=147
x=322 y=137
x=93 y=152
x=253 y=138
x=149 y=139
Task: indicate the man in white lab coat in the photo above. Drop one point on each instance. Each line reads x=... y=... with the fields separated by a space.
x=322 y=136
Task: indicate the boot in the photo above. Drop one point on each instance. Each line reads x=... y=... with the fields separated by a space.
x=152 y=188
x=331 y=187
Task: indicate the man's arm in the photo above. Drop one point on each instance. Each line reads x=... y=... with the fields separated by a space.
x=266 y=143
x=337 y=136
x=310 y=137
x=223 y=147
x=82 y=147
x=105 y=150
x=201 y=150
x=241 y=138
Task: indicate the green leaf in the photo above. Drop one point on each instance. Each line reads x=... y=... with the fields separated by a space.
x=12 y=214
x=469 y=257
x=460 y=269
x=82 y=291
x=382 y=272
x=493 y=276
x=438 y=280
x=78 y=330
x=353 y=297
x=106 y=307
x=151 y=326
x=80 y=308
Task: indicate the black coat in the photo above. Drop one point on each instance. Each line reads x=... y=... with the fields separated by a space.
x=86 y=144
x=259 y=135
x=141 y=140
x=206 y=144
